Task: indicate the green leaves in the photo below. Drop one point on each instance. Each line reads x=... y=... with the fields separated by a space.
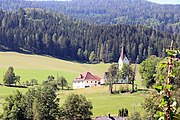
x=76 y=107
x=158 y=88
x=169 y=87
x=159 y=115
x=164 y=101
x=172 y=53
x=39 y=104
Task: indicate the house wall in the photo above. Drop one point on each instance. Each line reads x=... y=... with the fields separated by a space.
x=78 y=84
x=91 y=83
x=84 y=84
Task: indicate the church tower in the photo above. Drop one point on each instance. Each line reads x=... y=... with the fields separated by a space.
x=122 y=59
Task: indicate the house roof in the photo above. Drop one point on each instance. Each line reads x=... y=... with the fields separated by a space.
x=109 y=118
x=87 y=76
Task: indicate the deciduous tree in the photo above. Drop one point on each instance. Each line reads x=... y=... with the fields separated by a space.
x=76 y=107
x=62 y=82
x=147 y=70
x=10 y=78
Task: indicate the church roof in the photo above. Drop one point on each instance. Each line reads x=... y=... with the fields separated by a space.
x=122 y=56
x=87 y=76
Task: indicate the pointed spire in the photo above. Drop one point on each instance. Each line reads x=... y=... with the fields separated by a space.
x=122 y=52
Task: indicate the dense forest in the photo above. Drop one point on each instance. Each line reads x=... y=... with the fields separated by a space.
x=45 y=32
x=161 y=17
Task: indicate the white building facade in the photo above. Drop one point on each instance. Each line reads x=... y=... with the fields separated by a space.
x=85 y=80
x=123 y=60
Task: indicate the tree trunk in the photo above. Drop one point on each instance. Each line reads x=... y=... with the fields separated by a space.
x=132 y=86
x=110 y=88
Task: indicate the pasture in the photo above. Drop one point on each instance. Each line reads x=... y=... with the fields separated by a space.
x=40 y=67
x=104 y=103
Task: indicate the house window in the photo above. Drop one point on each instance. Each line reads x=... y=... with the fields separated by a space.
x=91 y=81
x=87 y=81
x=95 y=81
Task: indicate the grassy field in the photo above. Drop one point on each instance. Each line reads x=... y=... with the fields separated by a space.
x=40 y=67
x=104 y=103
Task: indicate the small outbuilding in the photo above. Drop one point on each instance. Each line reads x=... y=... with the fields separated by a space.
x=85 y=80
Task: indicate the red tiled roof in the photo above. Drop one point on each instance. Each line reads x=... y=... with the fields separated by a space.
x=87 y=76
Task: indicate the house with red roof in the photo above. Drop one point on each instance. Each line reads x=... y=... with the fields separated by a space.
x=86 y=79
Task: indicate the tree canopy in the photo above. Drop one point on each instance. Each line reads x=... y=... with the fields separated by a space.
x=76 y=107
x=62 y=82
x=44 y=32
x=37 y=104
x=147 y=70
x=161 y=17
x=10 y=77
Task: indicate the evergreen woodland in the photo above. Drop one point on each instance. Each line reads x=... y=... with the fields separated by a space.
x=44 y=32
x=161 y=17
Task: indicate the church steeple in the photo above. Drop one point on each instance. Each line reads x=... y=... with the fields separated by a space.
x=122 y=53
x=122 y=59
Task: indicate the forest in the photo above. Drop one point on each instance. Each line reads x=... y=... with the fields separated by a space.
x=44 y=32
x=161 y=17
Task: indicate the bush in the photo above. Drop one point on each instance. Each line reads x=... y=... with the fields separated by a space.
x=123 y=112
x=135 y=116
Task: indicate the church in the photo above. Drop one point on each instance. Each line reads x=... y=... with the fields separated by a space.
x=122 y=60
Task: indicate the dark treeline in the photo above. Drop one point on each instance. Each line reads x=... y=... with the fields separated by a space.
x=43 y=32
x=161 y=17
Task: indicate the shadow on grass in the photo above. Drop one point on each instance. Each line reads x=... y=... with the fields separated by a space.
x=143 y=89
x=16 y=86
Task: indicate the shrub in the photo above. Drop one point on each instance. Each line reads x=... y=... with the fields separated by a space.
x=123 y=112
x=135 y=116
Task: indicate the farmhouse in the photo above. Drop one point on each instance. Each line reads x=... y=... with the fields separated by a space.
x=86 y=79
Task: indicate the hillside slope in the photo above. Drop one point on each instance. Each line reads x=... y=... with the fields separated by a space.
x=44 y=32
x=161 y=17
x=40 y=67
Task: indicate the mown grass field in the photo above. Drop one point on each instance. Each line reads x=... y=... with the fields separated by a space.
x=40 y=67
x=104 y=103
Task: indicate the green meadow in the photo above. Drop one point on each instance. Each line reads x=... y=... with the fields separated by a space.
x=40 y=67
x=104 y=103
